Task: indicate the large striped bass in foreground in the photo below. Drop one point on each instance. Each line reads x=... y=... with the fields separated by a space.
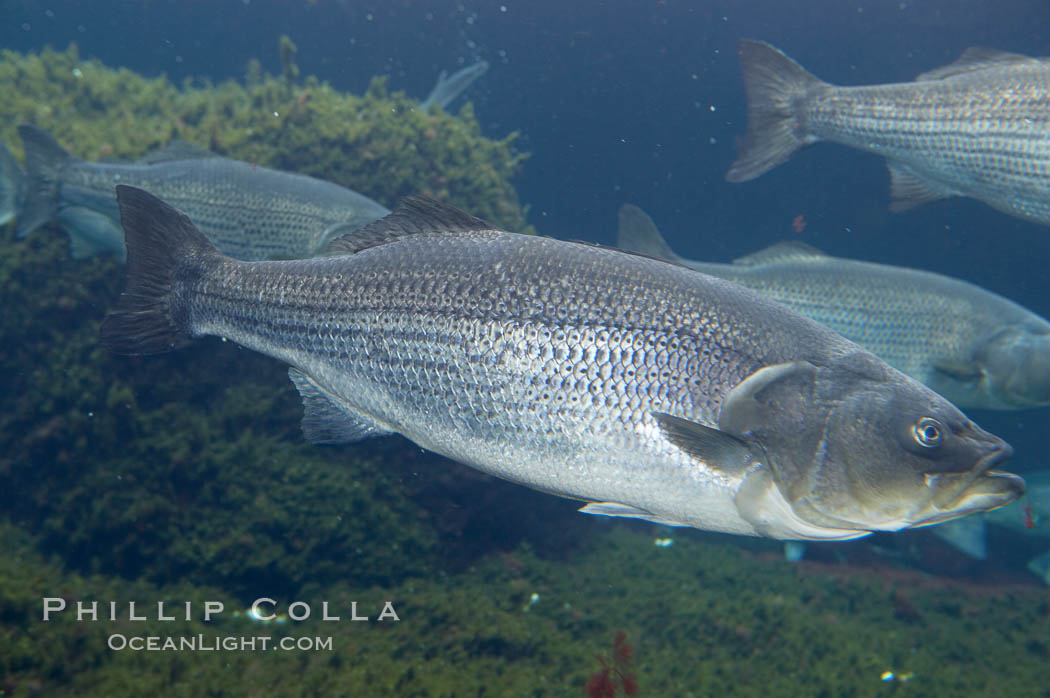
x=645 y=389
x=972 y=346
x=979 y=127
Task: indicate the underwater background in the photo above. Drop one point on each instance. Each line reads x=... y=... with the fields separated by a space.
x=185 y=477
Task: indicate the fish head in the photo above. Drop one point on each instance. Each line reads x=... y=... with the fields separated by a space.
x=855 y=446
x=1015 y=366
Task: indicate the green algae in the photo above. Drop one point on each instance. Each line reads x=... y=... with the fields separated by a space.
x=184 y=478
x=187 y=466
x=191 y=467
x=704 y=617
x=378 y=143
x=288 y=50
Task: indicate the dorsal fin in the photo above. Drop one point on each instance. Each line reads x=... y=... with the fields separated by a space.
x=977 y=58
x=621 y=250
x=414 y=215
x=791 y=251
x=638 y=232
x=176 y=150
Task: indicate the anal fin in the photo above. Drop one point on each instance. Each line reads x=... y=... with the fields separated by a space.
x=325 y=421
x=908 y=189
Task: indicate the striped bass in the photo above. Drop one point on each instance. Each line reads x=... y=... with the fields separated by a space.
x=645 y=389
x=979 y=127
x=249 y=212
x=972 y=346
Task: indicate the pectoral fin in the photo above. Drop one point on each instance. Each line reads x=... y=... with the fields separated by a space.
x=715 y=449
x=625 y=511
x=963 y=371
x=325 y=420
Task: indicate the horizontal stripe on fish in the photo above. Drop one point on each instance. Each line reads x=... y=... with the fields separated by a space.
x=979 y=127
x=976 y=348
x=645 y=389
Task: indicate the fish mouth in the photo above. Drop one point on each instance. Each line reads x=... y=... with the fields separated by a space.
x=981 y=489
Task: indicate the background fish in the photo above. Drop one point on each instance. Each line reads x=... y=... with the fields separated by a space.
x=1028 y=517
x=643 y=388
x=979 y=127
x=12 y=186
x=972 y=346
x=249 y=212
x=449 y=87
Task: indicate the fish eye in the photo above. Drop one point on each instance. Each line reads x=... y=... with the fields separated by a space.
x=928 y=432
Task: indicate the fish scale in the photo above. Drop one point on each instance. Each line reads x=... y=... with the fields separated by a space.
x=395 y=307
x=388 y=332
x=248 y=212
x=972 y=346
x=979 y=127
x=641 y=387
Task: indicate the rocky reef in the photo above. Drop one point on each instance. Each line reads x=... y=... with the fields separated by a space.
x=191 y=466
x=703 y=617
x=379 y=143
x=183 y=478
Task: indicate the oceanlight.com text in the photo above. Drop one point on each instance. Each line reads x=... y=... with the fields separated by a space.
x=226 y=643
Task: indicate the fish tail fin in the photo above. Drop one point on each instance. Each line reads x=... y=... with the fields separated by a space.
x=163 y=246
x=12 y=186
x=776 y=87
x=638 y=233
x=45 y=160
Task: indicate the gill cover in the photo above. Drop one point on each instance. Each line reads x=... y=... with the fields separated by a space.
x=856 y=446
x=776 y=411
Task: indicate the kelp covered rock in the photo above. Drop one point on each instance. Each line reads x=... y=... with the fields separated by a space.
x=379 y=144
x=183 y=466
x=190 y=466
x=703 y=617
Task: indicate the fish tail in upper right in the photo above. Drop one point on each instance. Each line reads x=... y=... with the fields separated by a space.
x=163 y=246
x=776 y=87
x=45 y=160
x=12 y=186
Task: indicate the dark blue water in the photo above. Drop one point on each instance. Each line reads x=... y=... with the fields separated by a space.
x=627 y=102
x=617 y=101
x=636 y=102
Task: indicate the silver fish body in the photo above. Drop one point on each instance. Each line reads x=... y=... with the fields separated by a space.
x=645 y=389
x=979 y=127
x=248 y=212
x=974 y=347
